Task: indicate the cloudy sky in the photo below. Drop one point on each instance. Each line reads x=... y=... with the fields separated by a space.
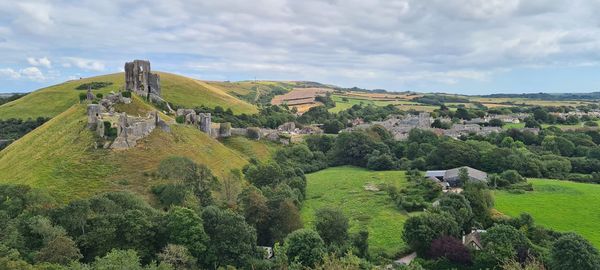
x=459 y=46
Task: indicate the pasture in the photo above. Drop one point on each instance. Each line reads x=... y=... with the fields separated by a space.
x=344 y=188
x=560 y=205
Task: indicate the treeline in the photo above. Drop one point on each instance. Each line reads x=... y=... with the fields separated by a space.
x=437 y=99
x=7 y=99
x=13 y=129
x=546 y=96
x=199 y=222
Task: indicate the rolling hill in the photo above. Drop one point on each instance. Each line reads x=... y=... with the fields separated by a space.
x=179 y=90
x=60 y=156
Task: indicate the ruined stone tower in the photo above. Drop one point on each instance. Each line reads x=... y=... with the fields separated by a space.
x=205 y=122
x=140 y=79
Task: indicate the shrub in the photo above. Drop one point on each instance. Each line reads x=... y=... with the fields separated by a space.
x=109 y=131
x=99 y=95
x=93 y=85
x=170 y=194
x=305 y=247
x=180 y=119
x=82 y=96
x=126 y=94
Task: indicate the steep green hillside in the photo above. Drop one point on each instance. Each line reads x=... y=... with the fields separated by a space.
x=344 y=188
x=53 y=100
x=59 y=156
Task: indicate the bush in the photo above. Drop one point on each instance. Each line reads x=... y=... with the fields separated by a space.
x=109 y=131
x=305 y=247
x=99 y=95
x=82 y=96
x=126 y=94
x=93 y=85
x=170 y=194
x=180 y=119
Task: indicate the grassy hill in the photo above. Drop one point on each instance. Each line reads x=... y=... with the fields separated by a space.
x=344 y=188
x=53 y=100
x=561 y=205
x=59 y=156
x=191 y=93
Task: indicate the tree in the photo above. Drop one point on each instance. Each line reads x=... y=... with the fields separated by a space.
x=458 y=207
x=558 y=145
x=380 y=162
x=305 y=247
x=231 y=240
x=332 y=226
x=256 y=212
x=463 y=176
x=264 y=174
x=332 y=126
x=451 y=249
x=285 y=220
x=496 y=122
x=421 y=230
x=352 y=148
x=481 y=201
x=231 y=188
x=502 y=242
x=61 y=250
x=572 y=251
x=198 y=177
x=185 y=228
x=178 y=257
x=118 y=259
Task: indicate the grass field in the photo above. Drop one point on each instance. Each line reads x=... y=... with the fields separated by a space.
x=261 y=149
x=59 y=156
x=343 y=187
x=341 y=104
x=561 y=205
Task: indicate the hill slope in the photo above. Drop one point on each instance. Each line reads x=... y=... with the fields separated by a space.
x=179 y=90
x=59 y=156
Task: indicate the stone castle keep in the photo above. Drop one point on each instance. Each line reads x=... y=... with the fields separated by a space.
x=140 y=79
x=130 y=129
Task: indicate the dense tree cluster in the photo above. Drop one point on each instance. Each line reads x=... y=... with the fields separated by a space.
x=13 y=129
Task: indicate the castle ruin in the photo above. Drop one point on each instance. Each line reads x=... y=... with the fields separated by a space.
x=140 y=79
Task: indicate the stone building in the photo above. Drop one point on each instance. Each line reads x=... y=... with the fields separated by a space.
x=140 y=79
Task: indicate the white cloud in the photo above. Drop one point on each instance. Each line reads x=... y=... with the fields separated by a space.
x=29 y=73
x=82 y=63
x=44 y=62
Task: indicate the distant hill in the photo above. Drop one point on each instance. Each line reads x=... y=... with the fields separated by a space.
x=548 y=96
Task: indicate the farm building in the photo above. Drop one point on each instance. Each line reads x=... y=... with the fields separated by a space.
x=449 y=178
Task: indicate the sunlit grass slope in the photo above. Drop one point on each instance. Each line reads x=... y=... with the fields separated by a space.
x=192 y=93
x=59 y=156
x=344 y=188
x=561 y=205
x=53 y=100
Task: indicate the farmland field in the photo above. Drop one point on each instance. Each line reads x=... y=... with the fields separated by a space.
x=560 y=205
x=344 y=188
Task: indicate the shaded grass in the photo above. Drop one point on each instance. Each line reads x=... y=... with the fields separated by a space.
x=343 y=187
x=560 y=205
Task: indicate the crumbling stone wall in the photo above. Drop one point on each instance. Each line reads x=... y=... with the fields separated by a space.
x=132 y=129
x=140 y=79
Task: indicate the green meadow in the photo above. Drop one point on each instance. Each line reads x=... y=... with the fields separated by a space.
x=560 y=205
x=344 y=188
